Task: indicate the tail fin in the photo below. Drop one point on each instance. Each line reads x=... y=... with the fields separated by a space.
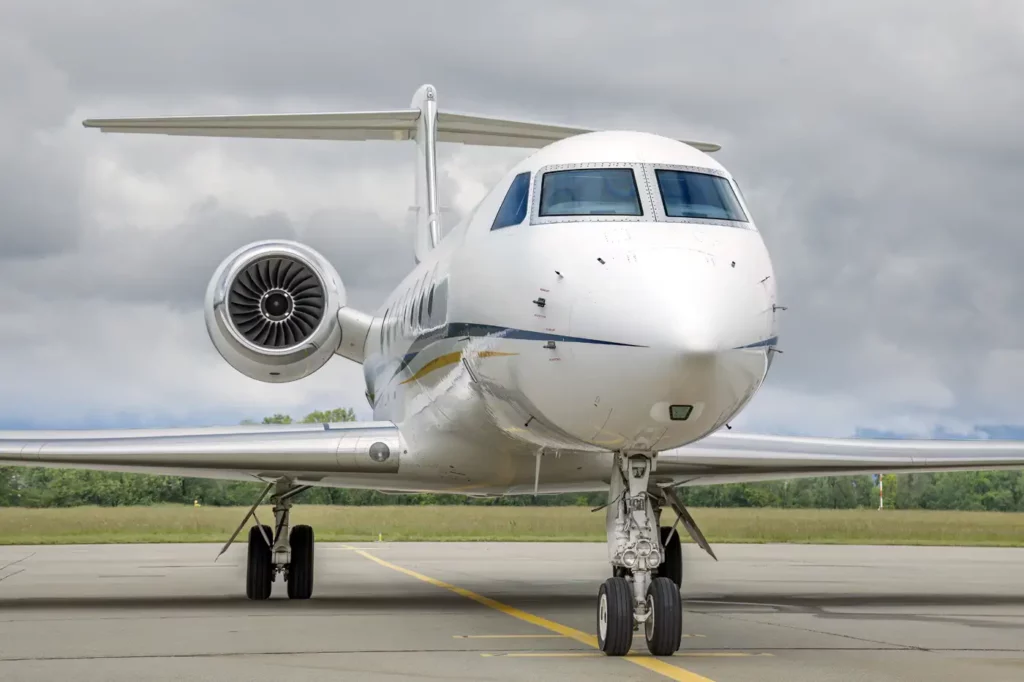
x=422 y=122
x=428 y=218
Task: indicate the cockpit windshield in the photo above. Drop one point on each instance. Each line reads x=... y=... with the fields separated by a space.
x=589 y=191
x=688 y=194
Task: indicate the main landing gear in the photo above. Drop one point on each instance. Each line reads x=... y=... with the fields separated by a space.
x=278 y=551
x=647 y=565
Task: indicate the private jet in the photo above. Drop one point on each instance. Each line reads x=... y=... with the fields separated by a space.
x=591 y=325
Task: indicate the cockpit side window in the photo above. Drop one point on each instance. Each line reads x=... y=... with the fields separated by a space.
x=589 y=191
x=513 y=207
x=689 y=194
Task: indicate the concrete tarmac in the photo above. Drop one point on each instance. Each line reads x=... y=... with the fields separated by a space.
x=493 y=611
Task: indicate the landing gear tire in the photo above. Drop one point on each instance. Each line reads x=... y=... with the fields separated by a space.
x=672 y=566
x=259 y=575
x=300 y=571
x=615 y=617
x=664 y=627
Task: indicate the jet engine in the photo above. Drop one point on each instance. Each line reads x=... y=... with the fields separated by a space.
x=272 y=310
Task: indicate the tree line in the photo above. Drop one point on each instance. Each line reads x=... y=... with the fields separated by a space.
x=981 y=491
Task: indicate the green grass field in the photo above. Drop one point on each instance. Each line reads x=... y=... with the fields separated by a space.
x=214 y=524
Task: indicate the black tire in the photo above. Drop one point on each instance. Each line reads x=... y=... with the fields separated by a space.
x=615 y=617
x=672 y=565
x=300 y=571
x=664 y=628
x=259 y=575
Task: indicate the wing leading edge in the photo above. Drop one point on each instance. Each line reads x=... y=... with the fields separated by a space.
x=397 y=125
x=309 y=452
x=301 y=451
x=737 y=458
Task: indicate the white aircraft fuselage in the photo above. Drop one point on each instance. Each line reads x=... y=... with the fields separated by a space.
x=576 y=332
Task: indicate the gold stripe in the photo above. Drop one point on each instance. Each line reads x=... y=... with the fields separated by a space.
x=656 y=665
x=450 y=359
x=436 y=363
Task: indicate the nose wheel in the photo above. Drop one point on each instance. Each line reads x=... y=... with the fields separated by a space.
x=663 y=628
x=646 y=564
x=615 y=617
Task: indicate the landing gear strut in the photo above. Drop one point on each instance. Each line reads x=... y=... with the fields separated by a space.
x=276 y=551
x=637 y=595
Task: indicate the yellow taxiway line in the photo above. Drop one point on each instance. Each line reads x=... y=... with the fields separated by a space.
x=581 y=654
x=653 y=664
x=534 y=636
x=508 y=636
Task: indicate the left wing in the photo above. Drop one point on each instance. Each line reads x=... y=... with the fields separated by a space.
x=303 y=452
x=738 y=457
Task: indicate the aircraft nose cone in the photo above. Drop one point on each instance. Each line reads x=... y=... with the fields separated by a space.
x=669 y=365
x=685 y=304
x=695 y=332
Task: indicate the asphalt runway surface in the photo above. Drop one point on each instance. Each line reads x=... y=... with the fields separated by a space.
x=508 y=611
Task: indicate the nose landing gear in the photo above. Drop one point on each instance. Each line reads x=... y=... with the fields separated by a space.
x=637 y=595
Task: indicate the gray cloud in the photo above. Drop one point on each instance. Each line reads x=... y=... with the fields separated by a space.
x=38 y=189
x=173 y=266
x=878 y=144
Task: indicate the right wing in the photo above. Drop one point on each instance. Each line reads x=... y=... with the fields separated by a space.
x=741 y=457
x=305 y=453
x=399 y=124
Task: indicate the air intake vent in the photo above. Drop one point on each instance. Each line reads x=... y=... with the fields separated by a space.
x=276 y=302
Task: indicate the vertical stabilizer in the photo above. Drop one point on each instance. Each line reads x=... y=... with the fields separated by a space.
x=428 y=217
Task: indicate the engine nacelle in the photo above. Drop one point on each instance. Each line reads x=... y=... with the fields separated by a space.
x=272 y=310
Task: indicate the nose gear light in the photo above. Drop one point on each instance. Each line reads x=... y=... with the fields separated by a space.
x=679 y=412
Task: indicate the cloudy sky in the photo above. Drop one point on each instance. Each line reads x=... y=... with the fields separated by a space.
x=879 y=144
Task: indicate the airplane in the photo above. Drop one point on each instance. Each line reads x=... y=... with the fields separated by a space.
x=590 y=326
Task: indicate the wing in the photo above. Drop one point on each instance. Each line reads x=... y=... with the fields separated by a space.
x=481 y=130
x=304 y=452
x=353 y=125
x=398 y=125
x=734 y=457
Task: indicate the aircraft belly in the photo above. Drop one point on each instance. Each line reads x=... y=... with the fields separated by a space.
x=467 y=472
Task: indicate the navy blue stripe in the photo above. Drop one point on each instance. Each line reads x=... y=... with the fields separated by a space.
x=759 y=344
x=468 y=330
x=460 y=329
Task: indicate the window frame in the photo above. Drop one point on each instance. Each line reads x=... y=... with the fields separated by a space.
x=628 y=172
x=659 y=204
x=508 y=193
x=640 y=180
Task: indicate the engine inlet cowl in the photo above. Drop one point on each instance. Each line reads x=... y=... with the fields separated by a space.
x=277 y=302
x=272 y=310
